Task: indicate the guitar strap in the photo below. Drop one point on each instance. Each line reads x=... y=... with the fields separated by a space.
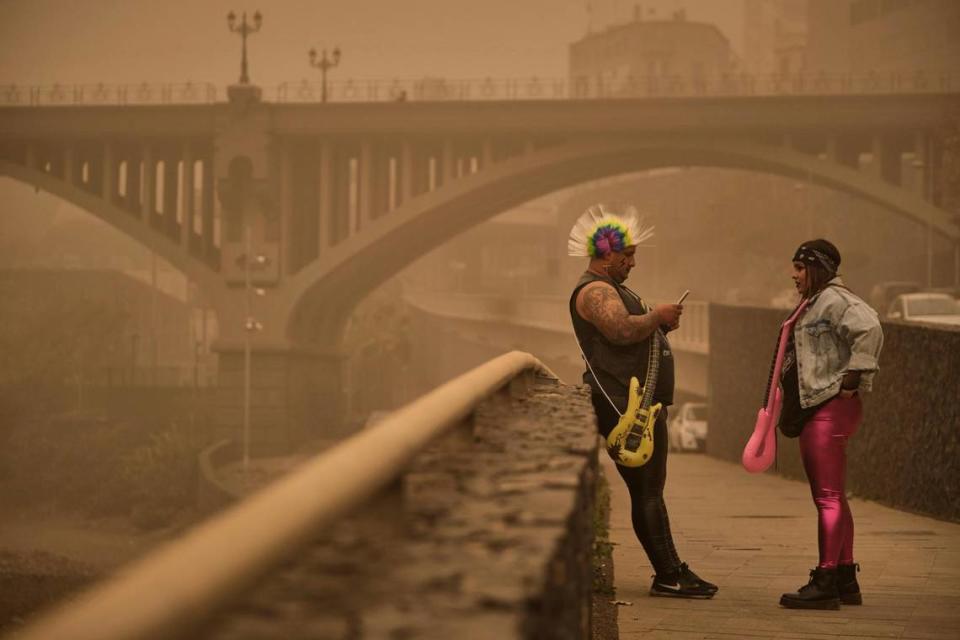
x=653 y=363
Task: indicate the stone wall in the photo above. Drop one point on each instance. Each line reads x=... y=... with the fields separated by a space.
x=905 y=453
x=487 y=536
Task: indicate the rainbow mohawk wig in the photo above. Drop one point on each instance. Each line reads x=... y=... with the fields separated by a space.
x=598 y=232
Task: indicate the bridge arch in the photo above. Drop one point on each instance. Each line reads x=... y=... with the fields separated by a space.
x=119 y=219
x=323 y=294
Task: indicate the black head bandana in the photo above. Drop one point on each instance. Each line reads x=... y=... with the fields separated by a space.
x=819 y=252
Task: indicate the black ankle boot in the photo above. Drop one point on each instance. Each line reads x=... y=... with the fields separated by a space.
x=820 y=593
x=847 y=584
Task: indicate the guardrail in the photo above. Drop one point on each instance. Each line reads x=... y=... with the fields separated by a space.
x=152 y=599
x=487 y=89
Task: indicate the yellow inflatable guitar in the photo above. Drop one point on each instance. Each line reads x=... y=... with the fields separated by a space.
x=631 y=441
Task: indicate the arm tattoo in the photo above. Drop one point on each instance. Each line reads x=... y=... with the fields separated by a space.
x=603 y=308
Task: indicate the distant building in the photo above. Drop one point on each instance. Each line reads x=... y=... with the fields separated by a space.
x=884 y=36
x=774 y=37
x=614 y=61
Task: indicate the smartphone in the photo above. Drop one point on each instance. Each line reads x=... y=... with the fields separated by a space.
x=683 y=297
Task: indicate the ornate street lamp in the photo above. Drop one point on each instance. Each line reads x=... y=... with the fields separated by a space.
x=251 y=325
x=244 y=29
x=324 y=64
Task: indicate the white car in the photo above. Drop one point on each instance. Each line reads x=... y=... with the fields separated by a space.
x=688 y=431
x=938 y=308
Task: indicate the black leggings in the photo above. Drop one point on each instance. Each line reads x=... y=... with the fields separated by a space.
x=645 y=483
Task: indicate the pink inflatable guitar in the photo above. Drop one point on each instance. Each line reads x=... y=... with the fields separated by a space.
x=761 y=448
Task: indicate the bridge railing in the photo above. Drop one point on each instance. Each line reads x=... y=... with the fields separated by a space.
x=165 y=596
x=627 y=87
x=13 y=95
x=481 y=89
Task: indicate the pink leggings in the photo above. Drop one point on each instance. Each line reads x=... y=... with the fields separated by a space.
x=823 y=447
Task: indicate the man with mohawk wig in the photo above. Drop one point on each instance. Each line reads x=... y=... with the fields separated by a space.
x=621 y=337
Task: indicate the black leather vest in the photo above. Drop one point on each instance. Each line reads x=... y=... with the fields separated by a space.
x=614 y=364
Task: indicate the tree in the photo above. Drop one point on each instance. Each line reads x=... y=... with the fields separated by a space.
x=52 y=337
x=950 y=170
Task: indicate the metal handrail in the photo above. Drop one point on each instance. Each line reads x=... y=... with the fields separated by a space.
x=175 y=589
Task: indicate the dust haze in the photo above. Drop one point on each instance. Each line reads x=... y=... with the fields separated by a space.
x=120 y=372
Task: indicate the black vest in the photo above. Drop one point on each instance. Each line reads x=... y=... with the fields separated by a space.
x=614 y=364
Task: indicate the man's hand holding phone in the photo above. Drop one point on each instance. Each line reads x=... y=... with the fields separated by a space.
x=669 y=314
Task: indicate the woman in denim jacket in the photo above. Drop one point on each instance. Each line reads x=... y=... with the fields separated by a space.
x=831 y=358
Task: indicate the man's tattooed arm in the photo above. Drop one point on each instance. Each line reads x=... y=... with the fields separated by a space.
x=599 y=304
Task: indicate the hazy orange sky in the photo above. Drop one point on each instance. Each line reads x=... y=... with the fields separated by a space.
x=114 y=41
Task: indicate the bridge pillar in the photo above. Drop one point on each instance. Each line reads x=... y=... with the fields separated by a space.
x=148 y=186
x=920 y=165
x=447 y=161
x=486 y=153
x=877 y=152
x=187 y=196
x=108 y=175
x=406 y=169
x=296 y=395
x=324 y=240
x=367 y=185
x=68 y=164
x=888 y=152
x=843 y=150
x=30 y=156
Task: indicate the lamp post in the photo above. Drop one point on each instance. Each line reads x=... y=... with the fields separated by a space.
x=251 y=326
x=244 y=29
x=324 y=64
x=920 y=165
x=134 y=340
x=154 y=346
x=801 y=190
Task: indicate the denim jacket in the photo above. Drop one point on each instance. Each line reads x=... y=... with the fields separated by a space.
x=836 y=333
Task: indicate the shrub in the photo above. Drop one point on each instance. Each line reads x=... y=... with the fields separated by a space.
x=162 y=475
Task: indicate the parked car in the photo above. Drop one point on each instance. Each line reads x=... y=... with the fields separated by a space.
x=688 y=431
x=938 y=308
x=882 y=294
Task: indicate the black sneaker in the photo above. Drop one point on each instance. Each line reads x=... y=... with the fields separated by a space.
x=684 y=583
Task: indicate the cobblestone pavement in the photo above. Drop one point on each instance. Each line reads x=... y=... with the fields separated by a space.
x=756 y=537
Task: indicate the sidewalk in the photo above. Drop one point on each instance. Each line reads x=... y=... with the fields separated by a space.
x=756 y=537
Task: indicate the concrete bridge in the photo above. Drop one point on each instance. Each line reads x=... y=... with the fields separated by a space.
x=317 y=204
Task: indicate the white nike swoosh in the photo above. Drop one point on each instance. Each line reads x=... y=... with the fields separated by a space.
x=672 y=587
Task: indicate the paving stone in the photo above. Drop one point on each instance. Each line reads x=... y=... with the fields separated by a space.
x=910 y=574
